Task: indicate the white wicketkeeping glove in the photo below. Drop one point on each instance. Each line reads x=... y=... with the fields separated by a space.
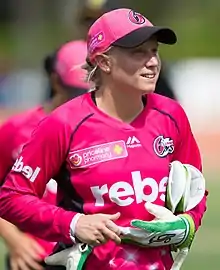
x=192 y=196
x=72 y=258
x=185 y=189
x=165 y=229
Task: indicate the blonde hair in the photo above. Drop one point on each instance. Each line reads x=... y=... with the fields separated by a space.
x=93 y=71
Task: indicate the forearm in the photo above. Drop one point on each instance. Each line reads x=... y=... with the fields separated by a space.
x=197 y=212
x=6 y=228
x=39 y=218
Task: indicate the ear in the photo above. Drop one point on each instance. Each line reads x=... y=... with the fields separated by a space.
x=104 y=63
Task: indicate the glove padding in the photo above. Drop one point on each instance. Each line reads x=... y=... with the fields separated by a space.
x=72 y=258
x=165 y=229
x=185 y=187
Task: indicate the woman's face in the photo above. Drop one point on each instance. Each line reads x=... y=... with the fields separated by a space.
x=136 y=68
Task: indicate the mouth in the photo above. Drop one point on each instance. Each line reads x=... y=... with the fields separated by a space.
x=148 y=76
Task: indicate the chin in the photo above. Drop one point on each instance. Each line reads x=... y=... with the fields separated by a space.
x=147 y=90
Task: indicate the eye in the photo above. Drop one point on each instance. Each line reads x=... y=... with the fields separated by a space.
x=139 y=51
x=155 y=50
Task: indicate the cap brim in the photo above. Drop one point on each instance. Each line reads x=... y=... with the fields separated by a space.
x=141 y=35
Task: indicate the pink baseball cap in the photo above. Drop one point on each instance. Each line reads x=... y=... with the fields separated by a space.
x=124 y=28
x=68 y=61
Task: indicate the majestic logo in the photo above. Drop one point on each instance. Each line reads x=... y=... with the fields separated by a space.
x=163 y=146
x=97 y=154
x=133 y=142
x=27 y=171
x=124 y=193
x=136 y=17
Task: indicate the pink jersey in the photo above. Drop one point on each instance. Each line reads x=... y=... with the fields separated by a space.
x=14 y=133
x=101 y=165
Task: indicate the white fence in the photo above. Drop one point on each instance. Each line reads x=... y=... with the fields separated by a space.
x=197 y=85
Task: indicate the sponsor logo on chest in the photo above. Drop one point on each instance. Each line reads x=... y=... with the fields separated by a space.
x=125 y=193
x=27 y=171
x=97 y=154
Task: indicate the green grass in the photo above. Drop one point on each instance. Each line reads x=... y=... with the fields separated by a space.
x=205 y=252
x=2 y=253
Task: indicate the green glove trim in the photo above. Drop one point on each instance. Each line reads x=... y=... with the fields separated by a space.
x=84 y=256
x=159 y=225
x=190 y=232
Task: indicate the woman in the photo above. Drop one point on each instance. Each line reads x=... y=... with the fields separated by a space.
x=91 y=11
x=112 y=156
x=25 y=251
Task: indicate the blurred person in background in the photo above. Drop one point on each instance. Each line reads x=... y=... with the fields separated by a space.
x=92 y=9
x=87 y=146
x=66 y=82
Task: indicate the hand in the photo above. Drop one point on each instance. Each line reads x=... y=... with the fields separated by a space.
x=165 y=229
x=98 y=229
x=25 y=253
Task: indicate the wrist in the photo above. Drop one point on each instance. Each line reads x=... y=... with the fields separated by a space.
x=73 y=226
x=62 y=223
x=190 y=231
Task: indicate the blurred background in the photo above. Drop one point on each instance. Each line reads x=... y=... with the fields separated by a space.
x=31 y=29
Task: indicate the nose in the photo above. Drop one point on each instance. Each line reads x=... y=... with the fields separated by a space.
x=152 y=61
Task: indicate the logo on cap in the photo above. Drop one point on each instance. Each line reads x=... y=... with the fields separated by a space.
x=136 y=17
x=95 y=41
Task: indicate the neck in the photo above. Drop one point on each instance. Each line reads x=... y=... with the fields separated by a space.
x=55 y=102
x=120 y=105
